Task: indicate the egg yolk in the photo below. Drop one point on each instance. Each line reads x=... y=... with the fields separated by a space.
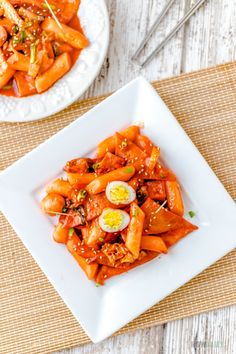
x=119 y=194
x=113 y=219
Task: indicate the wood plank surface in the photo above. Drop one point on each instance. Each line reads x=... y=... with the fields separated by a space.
x=209 y=38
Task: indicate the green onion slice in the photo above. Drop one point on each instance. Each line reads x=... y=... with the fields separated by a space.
x=96 y=166
x=22 y=36
x=129 y=170
x=15 y=29
x=81 y=194
x=45 y=6
x=191 y=214
x=71 y=231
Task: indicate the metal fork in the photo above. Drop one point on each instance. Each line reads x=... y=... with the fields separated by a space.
x=179 y=25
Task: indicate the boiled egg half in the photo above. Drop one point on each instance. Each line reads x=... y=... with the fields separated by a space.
x=113 y=220
x=119 y=192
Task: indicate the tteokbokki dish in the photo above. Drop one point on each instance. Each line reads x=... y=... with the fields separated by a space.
x=118 y=210
x=40 y=41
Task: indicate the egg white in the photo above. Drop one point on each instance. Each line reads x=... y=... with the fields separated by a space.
x=125 y=186
x=118 y=220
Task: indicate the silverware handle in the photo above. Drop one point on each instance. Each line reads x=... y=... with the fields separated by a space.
x=173 y=32
x=152 y=29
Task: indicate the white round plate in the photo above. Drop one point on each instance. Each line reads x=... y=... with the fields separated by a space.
x=95 y=23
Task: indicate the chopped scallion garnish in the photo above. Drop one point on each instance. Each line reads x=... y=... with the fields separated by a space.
x=64 y=209
x=95 y=166
x=191 y=214
x=129 y=170
x=46 y=6
x=71 y=231
x=22 y=36
x=81 y=194
x=15 y=29
x=101 y=239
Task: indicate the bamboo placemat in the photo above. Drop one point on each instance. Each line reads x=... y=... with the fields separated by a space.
x=33 y=318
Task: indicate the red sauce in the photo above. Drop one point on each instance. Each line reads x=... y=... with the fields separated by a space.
x=10 y=88
x=8 y=91
x=75 y=24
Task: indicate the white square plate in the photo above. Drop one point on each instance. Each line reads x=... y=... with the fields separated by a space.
x=103 y=310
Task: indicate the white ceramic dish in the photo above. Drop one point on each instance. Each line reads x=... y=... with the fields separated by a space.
x=95 y=23
x=103 y=310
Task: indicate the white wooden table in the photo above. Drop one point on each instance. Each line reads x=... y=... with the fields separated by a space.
x=208 y=39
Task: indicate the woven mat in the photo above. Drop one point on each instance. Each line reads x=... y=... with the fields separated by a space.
x=33 y=318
